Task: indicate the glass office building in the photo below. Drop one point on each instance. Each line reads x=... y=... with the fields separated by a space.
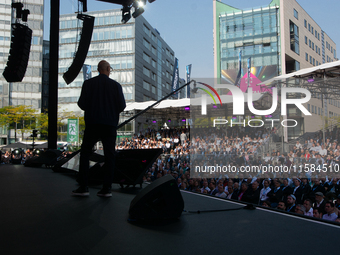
x=264 y=42
x=27 y=92
x=142 y=61
x=249 y=34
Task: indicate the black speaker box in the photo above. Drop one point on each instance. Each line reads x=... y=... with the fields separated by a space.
x=19 y=53
x=84 y=44
x=161 y=200
x=131 y=165
x=49 y=158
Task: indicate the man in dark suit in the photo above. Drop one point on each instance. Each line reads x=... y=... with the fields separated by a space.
x=320 y=202
x=102 y=100
x=286 y=190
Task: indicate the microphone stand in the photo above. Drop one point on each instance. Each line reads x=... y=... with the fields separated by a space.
x=160 y=100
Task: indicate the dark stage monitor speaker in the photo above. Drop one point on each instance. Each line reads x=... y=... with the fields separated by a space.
x=161 y=200
x=84 y=44
x=19 y=53
x=131 y=165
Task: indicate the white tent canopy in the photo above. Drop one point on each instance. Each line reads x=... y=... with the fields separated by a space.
x=332 y=69
x=176 y=103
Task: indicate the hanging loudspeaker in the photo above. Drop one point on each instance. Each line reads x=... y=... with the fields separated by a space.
x=83 y=47
x=19 y=53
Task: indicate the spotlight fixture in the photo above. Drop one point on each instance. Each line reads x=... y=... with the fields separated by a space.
x=154 y=121
x=25 y=15
x=169 y=120
x=183 y=120
x=18 y=7
x=310 y=79
x=138 y=6
x=37 y=152
x=187 y=108
x=126 y=14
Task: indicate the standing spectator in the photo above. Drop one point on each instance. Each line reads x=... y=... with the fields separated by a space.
x=320 y=202
x=275 y=195
x=298 y=191
x=241 y=195
x=264 y=191
x=183 y=137
x=286 y=189
x=102 y=100
x=253 y=194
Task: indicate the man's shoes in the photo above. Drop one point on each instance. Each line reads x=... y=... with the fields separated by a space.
x=81 y=192
x=105 y=192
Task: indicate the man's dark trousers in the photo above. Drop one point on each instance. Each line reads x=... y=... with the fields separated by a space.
x=93 y=133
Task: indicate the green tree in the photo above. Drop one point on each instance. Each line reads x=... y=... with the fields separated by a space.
x=21 y=116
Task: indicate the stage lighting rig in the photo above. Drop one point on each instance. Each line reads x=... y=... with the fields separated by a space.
x=138 y=6
x=18 y=7
x=126 y=14
x=25 y=15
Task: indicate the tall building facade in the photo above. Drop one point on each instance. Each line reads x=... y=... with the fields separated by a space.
x=27 y=92
x=269 y=41
x=142 y=61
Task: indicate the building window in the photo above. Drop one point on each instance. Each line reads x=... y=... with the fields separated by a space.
x=308 y=27
x=306 y=40
x=310 y=59
x=146 y=44
x=313 y=61
x=146 y=85
x=296 y=14
x=310 y=44
x=306 y=56
x=297 y=65
x=305 y=21
x=146 y=71
x=146 y=30
x=294 y=37
x=153 y=62
x=146 y=57
x=153 y=50
x=308 y=107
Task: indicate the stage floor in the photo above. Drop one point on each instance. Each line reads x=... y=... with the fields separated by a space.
x=39 y=216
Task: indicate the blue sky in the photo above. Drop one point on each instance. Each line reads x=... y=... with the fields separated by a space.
x=187 y=25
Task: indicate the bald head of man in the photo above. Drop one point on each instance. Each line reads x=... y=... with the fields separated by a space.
x=104 y=67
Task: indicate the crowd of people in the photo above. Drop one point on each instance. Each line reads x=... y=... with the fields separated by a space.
x=313 y=191
x=315 y=195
